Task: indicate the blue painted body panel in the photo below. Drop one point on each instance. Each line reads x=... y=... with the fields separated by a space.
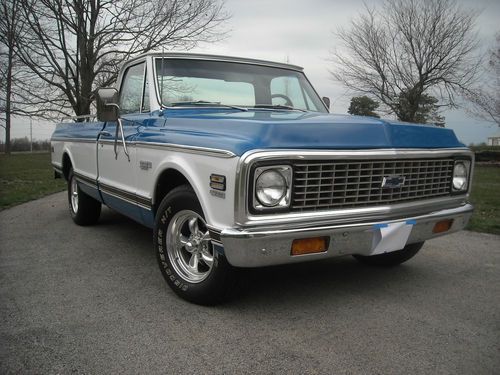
x=133 y=211
x=122 y=206
x=240 y=132
x=81 y=130
x=147 y=217
x=92 y=191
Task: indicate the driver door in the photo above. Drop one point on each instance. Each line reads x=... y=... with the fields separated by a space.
x=117 y=154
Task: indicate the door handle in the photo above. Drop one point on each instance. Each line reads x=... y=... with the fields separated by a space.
x=104 y=133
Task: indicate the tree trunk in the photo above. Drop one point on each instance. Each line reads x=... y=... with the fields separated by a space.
x=8 y=97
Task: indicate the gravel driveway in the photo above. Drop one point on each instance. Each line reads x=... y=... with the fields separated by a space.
x=92 y=300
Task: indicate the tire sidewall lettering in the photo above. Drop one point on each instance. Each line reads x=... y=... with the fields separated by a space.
x=161 y=248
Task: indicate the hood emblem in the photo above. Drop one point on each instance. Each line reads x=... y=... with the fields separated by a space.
x=393 y=182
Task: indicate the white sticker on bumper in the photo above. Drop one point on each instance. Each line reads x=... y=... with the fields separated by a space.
x=390 y=237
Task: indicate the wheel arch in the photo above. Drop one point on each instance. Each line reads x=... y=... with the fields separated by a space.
x=67 y=164
x=170 y=178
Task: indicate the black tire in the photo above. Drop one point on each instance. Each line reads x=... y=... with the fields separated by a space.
x=187 y=259
x=393 y=258
x=84 y=209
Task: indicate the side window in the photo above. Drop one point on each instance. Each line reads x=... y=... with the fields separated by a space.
x=132 y=89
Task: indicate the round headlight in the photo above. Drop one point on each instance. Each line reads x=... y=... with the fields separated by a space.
x=459 y=177
x=270 y=188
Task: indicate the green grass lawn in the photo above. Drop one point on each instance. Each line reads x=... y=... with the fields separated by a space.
x=486 y=199
x=26 y=176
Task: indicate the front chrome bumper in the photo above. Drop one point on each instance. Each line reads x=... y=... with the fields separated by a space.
x=257 y=247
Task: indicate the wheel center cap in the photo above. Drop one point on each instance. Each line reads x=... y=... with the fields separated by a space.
x=193 y=244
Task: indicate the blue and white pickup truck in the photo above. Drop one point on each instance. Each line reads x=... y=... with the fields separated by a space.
x=237 y=163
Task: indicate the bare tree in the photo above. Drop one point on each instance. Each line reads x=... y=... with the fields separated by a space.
x=485 y=99
x=75 y=46
x=21 y=93
x=409 y=47
x=10 y=31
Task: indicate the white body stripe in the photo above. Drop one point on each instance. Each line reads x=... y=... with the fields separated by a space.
x=117 y=172
x=83 y=156
x=196 y=169
x=129 y=177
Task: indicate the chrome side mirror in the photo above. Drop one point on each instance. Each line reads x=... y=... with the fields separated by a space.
x=107 y=105
x=326 y=100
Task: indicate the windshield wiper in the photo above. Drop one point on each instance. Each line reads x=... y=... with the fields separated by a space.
x=278 y=106
x=207 y=104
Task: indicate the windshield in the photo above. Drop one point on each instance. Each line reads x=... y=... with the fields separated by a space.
x=186 y=82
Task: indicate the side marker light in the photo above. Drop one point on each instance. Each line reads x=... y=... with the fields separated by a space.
x=309 y=245
x=442 y=226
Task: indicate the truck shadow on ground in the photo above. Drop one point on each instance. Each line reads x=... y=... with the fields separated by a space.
x=318 y=281
x=314 y=281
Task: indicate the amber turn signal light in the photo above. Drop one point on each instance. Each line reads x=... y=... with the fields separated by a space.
x=309 y=245
x=442 y=226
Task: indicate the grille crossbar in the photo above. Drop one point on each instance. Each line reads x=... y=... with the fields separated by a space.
x=335 y=184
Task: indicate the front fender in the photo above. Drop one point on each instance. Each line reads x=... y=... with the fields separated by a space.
x=196 y=169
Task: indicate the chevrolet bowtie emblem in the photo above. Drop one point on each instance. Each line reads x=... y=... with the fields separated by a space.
x=392 y=182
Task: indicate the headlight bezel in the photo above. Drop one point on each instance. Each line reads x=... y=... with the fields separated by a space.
x=466 y=163
x=283 y=204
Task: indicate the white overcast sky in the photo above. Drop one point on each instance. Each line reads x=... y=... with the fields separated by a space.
x=301 y=32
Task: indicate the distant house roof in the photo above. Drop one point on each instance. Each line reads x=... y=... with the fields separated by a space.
x=497 y=135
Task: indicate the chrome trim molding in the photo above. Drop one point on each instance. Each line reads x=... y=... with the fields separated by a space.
x=79 y=140
x=355 y=215
x=382 y=153
x=214 y=234
x=122 y=198
x=175 y=147
x=243 y=218
x=85 y=180
x=188 y=149
x=129 y=197
x=143 y=202
x=167 y=146
x=112 y=142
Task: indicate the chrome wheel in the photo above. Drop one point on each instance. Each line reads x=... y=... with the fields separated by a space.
x=74 y=195
x=189 y=247
x=84 y=209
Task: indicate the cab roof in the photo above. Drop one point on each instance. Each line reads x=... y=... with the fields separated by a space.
x=199 y=56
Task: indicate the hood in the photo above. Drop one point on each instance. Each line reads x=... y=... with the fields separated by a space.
x=239 y=132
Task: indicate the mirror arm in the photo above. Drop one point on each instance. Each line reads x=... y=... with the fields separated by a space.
x=123 y=139
x=116 y=139
x=119 y=127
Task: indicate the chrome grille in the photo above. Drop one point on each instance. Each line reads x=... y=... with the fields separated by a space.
x=335 y=184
